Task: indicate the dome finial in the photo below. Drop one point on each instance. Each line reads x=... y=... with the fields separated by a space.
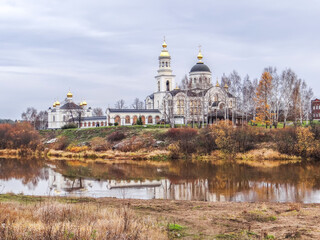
x=200 y=55
x=164 y=52
x=164 y=44
x=217 y=84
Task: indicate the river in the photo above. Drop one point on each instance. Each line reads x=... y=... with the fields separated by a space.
x=180 y=180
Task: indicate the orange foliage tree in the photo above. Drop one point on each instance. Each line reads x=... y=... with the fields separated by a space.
x=262 y=98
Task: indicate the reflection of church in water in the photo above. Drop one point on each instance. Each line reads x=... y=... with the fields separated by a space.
x=147 y=189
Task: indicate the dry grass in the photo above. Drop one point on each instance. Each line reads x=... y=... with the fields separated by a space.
x=54 y=220
x=107 y=155
x=265 y=154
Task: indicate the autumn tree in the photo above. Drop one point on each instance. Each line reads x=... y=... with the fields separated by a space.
x=263 y=99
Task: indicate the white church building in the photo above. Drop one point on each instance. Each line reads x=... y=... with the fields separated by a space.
x=70 y=112
x=197 y=101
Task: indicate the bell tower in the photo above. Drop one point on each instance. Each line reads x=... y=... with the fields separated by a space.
x=165 y=79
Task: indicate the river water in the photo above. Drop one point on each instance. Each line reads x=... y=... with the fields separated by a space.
x=181 y=180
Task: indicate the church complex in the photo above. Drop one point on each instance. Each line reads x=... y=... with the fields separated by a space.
x=197 y=101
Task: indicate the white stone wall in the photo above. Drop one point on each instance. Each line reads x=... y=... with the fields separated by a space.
x=111 y=117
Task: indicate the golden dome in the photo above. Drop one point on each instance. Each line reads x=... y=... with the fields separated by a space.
x=177 y=88
x=57 y=103
x=54 y=104
x=84 y=103
x=164 y=53
x=69 y=94
x=225 y=85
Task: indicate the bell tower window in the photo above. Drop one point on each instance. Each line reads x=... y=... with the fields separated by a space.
x=158 y=86
x=168 y=86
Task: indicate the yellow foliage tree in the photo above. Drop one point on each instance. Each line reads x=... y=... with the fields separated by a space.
x=263 y=94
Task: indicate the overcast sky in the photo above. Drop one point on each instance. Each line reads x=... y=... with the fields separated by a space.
x=106 y=50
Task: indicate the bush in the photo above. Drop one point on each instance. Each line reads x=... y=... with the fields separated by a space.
x=181 y=133
x=139 y=121
x=116 y=124
x=206 y=141
x=77 y=149
x=99 y=144
x=186 y=140
x=19 y=135
x=116 y=136
x=62 y=143
x=69 y=125
x=286 y=139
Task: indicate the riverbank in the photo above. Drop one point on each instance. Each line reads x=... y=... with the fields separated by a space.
x=158 y=219
x=217 y=142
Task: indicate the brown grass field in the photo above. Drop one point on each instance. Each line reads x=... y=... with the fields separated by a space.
x=23 y=217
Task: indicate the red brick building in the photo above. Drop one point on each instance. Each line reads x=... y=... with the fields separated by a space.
x=315 y=109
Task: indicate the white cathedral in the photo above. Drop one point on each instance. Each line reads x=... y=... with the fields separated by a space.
x=197 y=101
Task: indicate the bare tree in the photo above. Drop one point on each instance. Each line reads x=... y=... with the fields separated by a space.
x=275 y=99
x=42 y=120
x=184 y=83
x=97 y=112
x=137 y=104
x=30 y=115
x=288 y=78
x=120 y=104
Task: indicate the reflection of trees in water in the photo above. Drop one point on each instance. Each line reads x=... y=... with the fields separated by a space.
x=199 y=179
x=29 y=170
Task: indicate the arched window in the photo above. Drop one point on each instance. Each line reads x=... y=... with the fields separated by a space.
x=85 y=124
x=102 y=123
x=117 y=119
x=143 y=118
x=162 y=64
x=158 y=86
x=64 y=118
x=157 y=119
x=135 y=118
x=89 y=124
x=168 y=85
x=53 y=118
x=93 y=124
x=166 y=64
x=127 y=119
x=150 y=119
